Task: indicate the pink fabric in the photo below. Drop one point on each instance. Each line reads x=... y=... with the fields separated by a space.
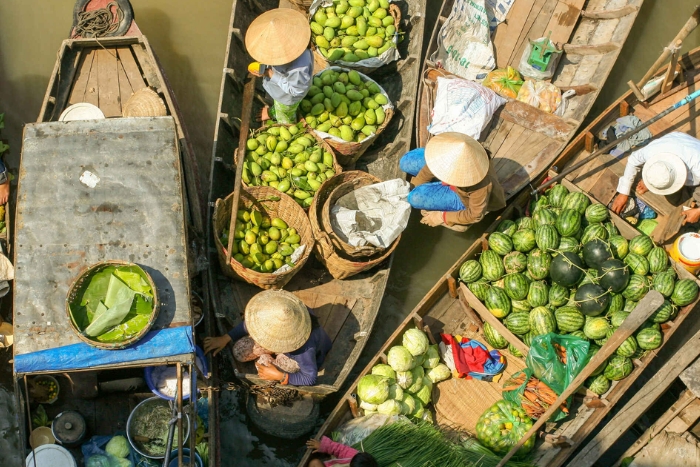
x=343 y=454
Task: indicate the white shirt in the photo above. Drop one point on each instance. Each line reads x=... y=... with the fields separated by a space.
x=290 y=83
x=684 y=146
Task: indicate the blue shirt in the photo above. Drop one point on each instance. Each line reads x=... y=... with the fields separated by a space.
x=290 y=82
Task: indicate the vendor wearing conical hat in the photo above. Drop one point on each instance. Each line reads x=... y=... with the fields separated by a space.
x=280 y=333
x=279 y=40
x=455 y=183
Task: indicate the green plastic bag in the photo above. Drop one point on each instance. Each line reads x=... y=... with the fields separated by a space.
x=502 y=426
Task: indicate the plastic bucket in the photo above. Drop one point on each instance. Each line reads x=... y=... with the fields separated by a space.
x=686 y=251
x=148 y=375
x=185 y=459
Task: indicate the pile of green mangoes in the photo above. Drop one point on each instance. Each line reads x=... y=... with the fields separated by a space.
x=288 y=159
x=262 y=244
x=341 y=104
x=353 y=30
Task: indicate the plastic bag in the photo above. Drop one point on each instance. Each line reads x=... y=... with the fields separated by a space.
x=540 y=94
x=533 y=395
x=501 y=427
x=95 y=447
x=529 y=71
x=359 y=428
x=506 y=82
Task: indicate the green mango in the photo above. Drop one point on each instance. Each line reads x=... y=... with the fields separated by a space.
x=358 y=123
x=357 y=3
x=335 y=100
x=328 y=104
x=355 y=11
x=361 y=26
x=252 y=144
x=322 y=42
x=347 y=120
x=311 y=121
x=335 y=132
x=351 y=31
x=335 y=120
x=310 y=166
x=320 y=18
x=324 y=127
x=346 y=22
x=351 y=58
x=318 y=98
x=381 y=99
x=335 y=54
x=371 y=31
x=374 y=21
x=271 y=142
x=342 y=110
x=380 y=13
x=339 y=87
x=285 y=134
x=347 y=41
x=371 y=104
x=274 y=131
x=341 y=7
x=328 y=33
x=343 y=78
x=345 y=99
x=335 y=43
x=346 y=133
x=367 y=130
x=316 y=28
x=333 y=22
x=388 y=21
x=354 y=95
x=295 y=148
x=373 y=5
x=370 y=117
x=362 y=54
x=327 y=91
x=354 y=77
x=323 y=117
x=281 y=147
x=327 y=79
x=361 y=44
x=317 y=82
x=313 y=90
x=330 y=11
x=364 y=92
x=317 y=156
x=372 y=52
x=304 y=141
x=381 y=116
x=380 y=32
x=355 y=108
x=317 y=109
x=375 y=41
x=384 y=3
x=387 y=45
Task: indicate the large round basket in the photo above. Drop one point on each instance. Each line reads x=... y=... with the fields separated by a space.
x=338 y=192
x=286 y=209
x=301 y=5
x=337 y=168
x=83 y=280
x=338 y=264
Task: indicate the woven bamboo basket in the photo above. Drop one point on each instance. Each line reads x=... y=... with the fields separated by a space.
x=286 y=209
x=339 y=265
x=83 y=280
x=301 y=5
x=337 y=193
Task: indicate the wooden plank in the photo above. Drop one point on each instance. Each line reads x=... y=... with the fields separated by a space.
x=691 y=378
x=537 y=120
x=92 y=87
x=526 y=148
x=506 y=35
x=685 y=418
x=509 y=143
x=145 y=61
x=108 y=91
x=338 y=314
x=536 y=30
x=125 y=90
x=564 y=19
x=522 y=33
x=131 y=68
x=503 y=131
x=493 y=130
x=80 y=83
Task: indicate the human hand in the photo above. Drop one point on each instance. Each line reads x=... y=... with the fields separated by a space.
x=619 y=203
x=432 y=218
x=313 y=444
x=641 y=187
x=269 y=372
x=216 y=344
x=4 y=192
x=691 y=216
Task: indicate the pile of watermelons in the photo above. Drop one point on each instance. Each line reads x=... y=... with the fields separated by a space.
x=568 y=270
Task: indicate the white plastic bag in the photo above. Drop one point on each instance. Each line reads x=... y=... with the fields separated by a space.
x=464 y=41
x=529 y=71
x=463 y=106
x=540 y=94
x=359 y=428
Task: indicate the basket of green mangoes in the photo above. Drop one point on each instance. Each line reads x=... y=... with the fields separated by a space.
x=358 y=34
x=291 y=159
x=270 y=228
x=346 y=109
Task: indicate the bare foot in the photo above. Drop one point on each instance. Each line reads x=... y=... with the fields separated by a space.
x=264 y=114
x=4 y=192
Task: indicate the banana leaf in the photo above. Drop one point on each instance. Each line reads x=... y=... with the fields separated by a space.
x=126 y=330
x=134 y=280
x=96 y=290
x=118 y=302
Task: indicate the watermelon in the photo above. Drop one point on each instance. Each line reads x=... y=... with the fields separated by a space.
x=507 y=227
x=524 y=240
x=500 y=243
x=663 y=313
x=520 y=305
x=684 y=292
x=569 y=319
x=524 y=223
x=497 y=302
x=601 y=342
x=619 y=246
x=527 y=338
x=491 y=265
x=515 y=261
x=541 y=202
x=617 y=303
x=618 y=368
x=658 y=260
x=558 y=295
x=494 y=338
x=542 y=321
x=538 y=294
x=596 y=212
x=479 y=288
x=664 y=283
x=544 y=216
x=594 y=231
x=566 y=269
x=595 y=252
x=470 y=271
x=596 y=328
x=518 y=322
x=612 y=230
x=613 y=275
x=629 y=305
x=568 y=222
x=569 y=244
x=598 y=384
x=637 y=287
x=547 y=237
x=637 y=263
x=628 y=347
x=516 y=286
x=591 y=299
x=538 y=263
x=515 y=352
x=641 y=244
x=671 y=271
x=618 y=317
x=577 y=201
x=578 y=334
x=592 y=350
x=556 y=195
x=590 y=276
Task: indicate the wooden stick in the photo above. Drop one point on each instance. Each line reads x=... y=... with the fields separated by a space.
x=179 y=413
x=671 y=72
x=650 y=303
x=247 y=108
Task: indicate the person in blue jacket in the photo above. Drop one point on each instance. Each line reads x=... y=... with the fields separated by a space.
x=283 y=336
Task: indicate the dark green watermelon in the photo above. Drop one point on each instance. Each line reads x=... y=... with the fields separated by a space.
x=595 y=252
x=591 y=299
x=524 y=240
x=613 y=275
x=538 y=263
x=566 y=269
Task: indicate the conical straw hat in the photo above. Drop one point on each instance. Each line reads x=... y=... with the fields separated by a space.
x=278 y=321
x=278 y=36
x=144 y=103
x=456 y=159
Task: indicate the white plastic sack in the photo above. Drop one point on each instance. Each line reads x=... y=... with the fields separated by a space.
x=542 y=95
x=529 y=71
x=497 y=10
x=463 y=106
x=374 y=214
x=464 y=42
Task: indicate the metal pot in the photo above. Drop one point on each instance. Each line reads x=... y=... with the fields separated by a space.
x=145 y=405
x=68 y=428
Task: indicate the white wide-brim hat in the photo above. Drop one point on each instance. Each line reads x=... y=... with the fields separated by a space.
x=278 y=321
x=456 y=159
x=664 y=173
x=278 y=36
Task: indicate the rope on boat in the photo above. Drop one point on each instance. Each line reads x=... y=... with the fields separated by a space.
x=99 y=23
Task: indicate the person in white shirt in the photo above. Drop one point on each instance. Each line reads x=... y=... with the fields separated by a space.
x=668 y=164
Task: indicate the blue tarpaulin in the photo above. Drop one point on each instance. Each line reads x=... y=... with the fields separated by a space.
x=156 y=344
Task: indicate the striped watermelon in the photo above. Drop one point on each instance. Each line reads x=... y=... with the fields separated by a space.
x=684 y=292
x=630 y=305
x=520 y=305
x=569 y=319
x=592 y=350
x=524 y=240
x=479 y=288
x=596 y=212
x=641 y=244
x=577 y=201
x=663 y=313
x=516 y=286
x=542 y=216
x=618 y=368
x=542 y=321
x=470 y=271
x=590 y=276
x=619 y=246
x=568 y=222
x=638 y=264
x=612 y=230
x=556 y=195
x=494 y=338
x=596 y=327
x=617 y=303
x=618 y=317
x=507 y=227
x=500 y=243
x=538 y=294
x=578 y=334
x=491 y=265
x=594 y=231
x=664 y=283
x=628 y=347
x=497 y=302
x=527 y=338
x=558 y=295
x=569 y=244
x=515 y=261
x=541 y=202
x=671 y=271
x=518 y=322
x=638 y=287
x=524 y=223
x=601 y=342
x=538 y=263
x=547 y=237
x=598 y=384
x=658 y=259
x=499 y=283
x=515 y=352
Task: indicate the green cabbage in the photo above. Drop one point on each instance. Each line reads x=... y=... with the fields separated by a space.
x=390 y=407
x=404 y=379
x=395 y=392
x=385 y=370
x=408 y=404
x=427 y=416
x=367 y=406
x=400 y=358
x=98 y=461
x=416 y=341
x=418 y=412
x=118 y=446
x=432 y=357
x=439 y=373
x=373 y=389
x=424 y=393
x=418 y=360
x=418 y=374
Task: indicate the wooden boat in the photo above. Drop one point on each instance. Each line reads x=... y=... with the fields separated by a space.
x=347 y=308
x=106 y=72
x=451 y=308
x=524 y=141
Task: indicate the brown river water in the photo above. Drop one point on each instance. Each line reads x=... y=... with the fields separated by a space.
x=189 y=37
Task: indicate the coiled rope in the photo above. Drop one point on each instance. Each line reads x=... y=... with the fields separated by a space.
x=99 y=23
